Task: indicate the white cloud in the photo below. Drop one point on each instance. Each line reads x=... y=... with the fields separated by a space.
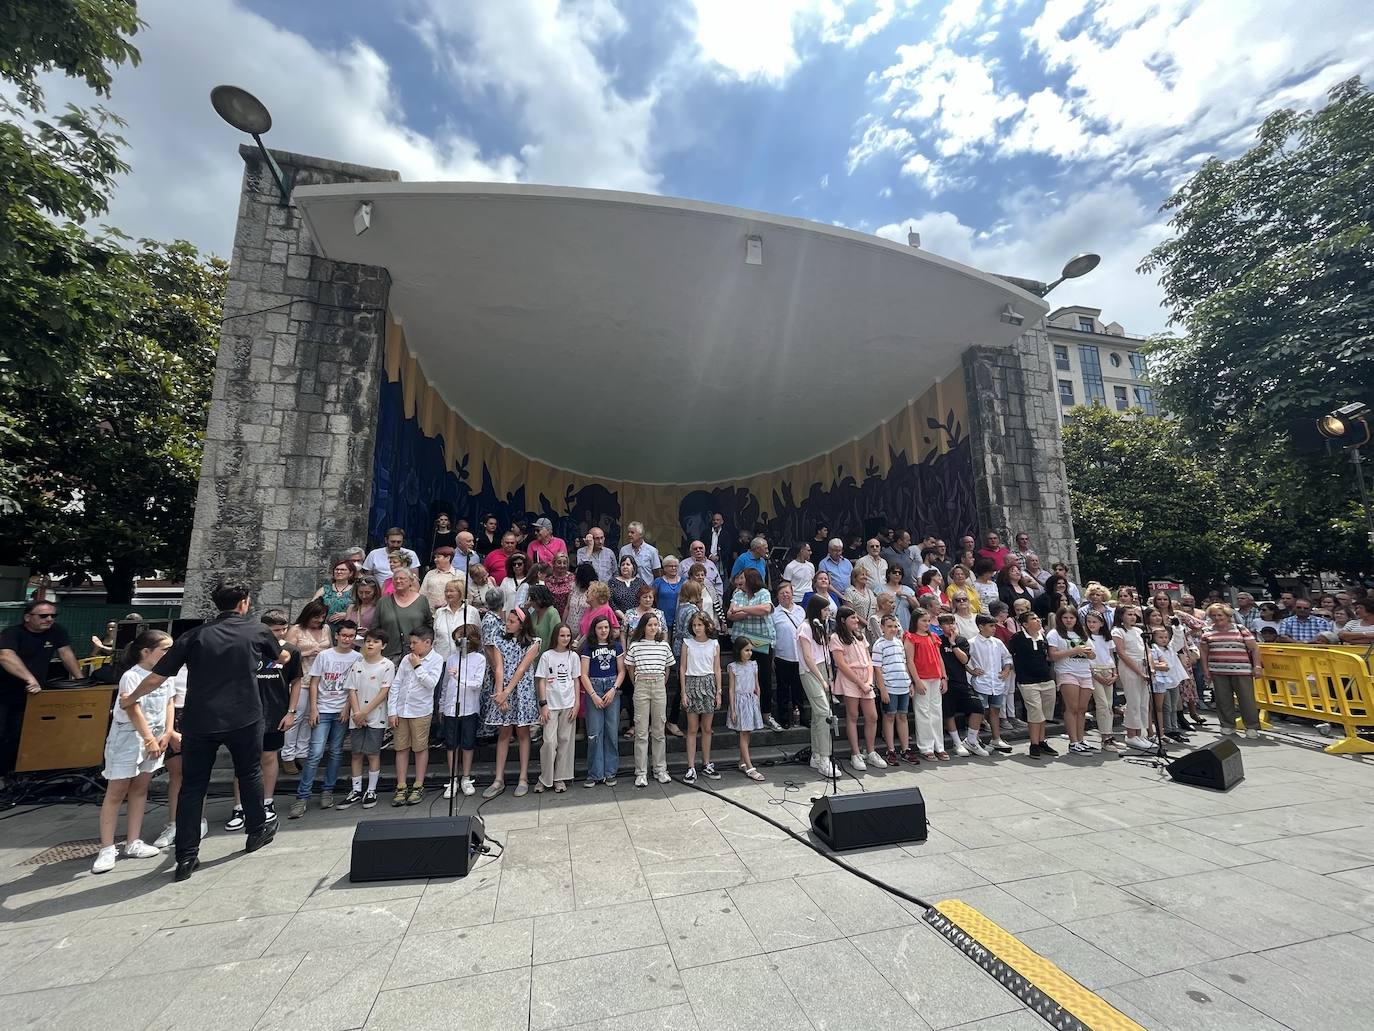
x=878 y=139
x=825 y=181
x=956 y=93
x=758 y=39
x=1038 y=232
x=537 y=57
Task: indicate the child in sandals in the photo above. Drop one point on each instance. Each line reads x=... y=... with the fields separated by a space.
x=745 y=714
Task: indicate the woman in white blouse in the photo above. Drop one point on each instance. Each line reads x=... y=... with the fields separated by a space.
x=800 y=572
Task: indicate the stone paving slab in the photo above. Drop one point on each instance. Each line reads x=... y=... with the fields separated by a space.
x=666 y=908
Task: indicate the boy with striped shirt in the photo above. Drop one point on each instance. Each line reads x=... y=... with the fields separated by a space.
x=893 y=674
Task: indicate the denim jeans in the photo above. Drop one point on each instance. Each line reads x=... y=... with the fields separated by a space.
x=603 y=733
x=331 y=730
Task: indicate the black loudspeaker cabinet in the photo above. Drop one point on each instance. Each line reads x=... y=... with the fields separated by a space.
x=1217 y=766
x=872 y=818
x=404 y=850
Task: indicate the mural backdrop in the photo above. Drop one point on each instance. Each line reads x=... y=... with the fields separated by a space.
x=913 y=471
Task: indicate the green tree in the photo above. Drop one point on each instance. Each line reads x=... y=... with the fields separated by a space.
x=113 y=454
x=1268 y=276
x=1138 y=491
x=63 y=291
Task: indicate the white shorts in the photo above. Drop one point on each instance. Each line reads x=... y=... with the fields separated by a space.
x=122 y=748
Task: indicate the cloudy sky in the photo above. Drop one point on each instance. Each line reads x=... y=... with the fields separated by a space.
x=1010 y=133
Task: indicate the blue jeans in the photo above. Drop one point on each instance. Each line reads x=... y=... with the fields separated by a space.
x=330 y=730
x=603 y=733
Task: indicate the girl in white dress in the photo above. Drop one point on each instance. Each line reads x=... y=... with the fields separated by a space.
x=745 y=714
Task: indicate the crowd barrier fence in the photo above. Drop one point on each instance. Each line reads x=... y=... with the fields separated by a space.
x=1331 y=684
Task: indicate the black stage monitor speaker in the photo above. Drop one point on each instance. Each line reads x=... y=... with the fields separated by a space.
x=1217 y=766
x=404 y=850
x=873 y=818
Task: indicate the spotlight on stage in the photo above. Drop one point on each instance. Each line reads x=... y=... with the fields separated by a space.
x=1345 y=424
x=1011 y=316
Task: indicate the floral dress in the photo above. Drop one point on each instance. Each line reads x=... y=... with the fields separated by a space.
x=336 y=601
x=522 y=708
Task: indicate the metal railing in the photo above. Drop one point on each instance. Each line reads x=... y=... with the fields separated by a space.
x=1330 y=684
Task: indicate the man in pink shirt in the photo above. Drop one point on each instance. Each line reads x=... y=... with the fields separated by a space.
x=545 y=545
x=994 y=549
x=496 y=560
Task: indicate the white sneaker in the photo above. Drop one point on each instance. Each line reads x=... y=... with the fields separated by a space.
x=976 y=748
x=641 y=780
x=448 y=789
x=140 y=849
x=815 y=761
x=1253 y=735
x=1139 y=742
x=960 y=748
x=167 y=837
x=877 y=761
x=1000 y=745
x=856 y=761
x=1228 y=731
x=662 y=776
x=105 y=859
x=467 y=786
x=825 y=767
x=204 y=830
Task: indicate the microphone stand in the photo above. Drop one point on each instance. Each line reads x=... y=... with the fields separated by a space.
x=458 y=701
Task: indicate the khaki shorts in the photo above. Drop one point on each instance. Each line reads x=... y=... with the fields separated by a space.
x=1039 y=699
x=411 y=734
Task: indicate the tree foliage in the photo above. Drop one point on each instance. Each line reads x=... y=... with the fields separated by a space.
x=112 y=456
x=1270 y=277
x=62 y=291
x=1139 y=492
x=1269 y=274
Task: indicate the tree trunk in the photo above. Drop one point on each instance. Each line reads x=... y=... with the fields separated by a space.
x=119 y=583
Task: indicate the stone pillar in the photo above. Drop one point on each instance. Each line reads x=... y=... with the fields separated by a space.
x=1018 y=455
x=286 y=477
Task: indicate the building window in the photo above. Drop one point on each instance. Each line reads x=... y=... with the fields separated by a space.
x=1066 y=393
x=1144 y=397
x=1091 y=363
x=1085 y=324
x=1119 y=395
x=1138 y=368
x=1061 y=357
x=1116 y=360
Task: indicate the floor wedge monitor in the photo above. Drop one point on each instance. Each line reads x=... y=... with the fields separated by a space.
x=1217 y=766
x=872 y=818
x=403 y=850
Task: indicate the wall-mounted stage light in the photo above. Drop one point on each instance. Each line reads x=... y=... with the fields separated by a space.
x=753 y=250
x=1011 y=316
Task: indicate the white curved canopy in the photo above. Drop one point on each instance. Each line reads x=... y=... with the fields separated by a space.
x=626 y=337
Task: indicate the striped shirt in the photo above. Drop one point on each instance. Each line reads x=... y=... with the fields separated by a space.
x=649 y=659
x=1227 y=651
x=890 y=657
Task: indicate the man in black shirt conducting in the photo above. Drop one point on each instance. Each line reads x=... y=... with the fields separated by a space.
x=223 y=707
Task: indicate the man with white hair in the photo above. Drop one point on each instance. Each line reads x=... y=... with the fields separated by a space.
x=754 y=558
x=841 y=570
x=696 y=555
x=645 y=554
x=874 y=564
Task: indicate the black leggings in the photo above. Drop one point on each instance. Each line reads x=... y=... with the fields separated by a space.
x=788 y=694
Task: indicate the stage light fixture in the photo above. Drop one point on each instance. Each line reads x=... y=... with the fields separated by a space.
x=1011 y=316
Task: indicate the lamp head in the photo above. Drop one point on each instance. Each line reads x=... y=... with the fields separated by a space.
x=241 y=109
x=1345 y=421
x=1080 y=265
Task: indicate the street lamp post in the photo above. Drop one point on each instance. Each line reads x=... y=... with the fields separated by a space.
x=247 y=113
x=1348 y=426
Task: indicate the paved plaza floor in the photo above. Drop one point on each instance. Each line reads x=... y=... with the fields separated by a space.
x=667 y=909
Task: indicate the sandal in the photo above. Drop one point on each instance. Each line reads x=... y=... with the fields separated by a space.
x=942 y=756
x=539 y=787
x=929 y=756
x=752 y=773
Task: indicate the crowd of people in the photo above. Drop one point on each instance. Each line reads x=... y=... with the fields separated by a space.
x=519 y=637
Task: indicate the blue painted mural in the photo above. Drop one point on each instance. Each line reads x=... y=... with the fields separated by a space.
x=412 y=483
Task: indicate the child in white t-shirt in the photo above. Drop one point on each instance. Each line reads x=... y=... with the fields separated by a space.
x=555 y=681
x=368 y=685
x=461 y=704
x=990 y=666
x=328 y=701
x=137 y=738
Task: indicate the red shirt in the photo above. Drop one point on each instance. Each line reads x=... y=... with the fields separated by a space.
x=925 y=656
x=998 y=555
x=496 y=565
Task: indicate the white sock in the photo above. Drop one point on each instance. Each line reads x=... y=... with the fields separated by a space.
x=266 y=801
x=357 y=783
x=372 y=776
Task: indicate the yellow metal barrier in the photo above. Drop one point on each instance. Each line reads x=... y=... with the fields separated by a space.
x=1317 y=682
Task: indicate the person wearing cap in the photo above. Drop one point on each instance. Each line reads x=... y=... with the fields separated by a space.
x=841 y=570
x=545 y=545
x=438 y=578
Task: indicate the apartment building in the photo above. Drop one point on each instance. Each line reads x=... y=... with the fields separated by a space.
x=1096 y=362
